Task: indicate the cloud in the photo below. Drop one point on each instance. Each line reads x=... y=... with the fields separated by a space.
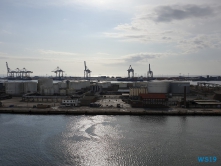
x=180 y=12
x=143 y=57
x=200 y=42
x=21 y=58
x=189 y=28
x=60 y=53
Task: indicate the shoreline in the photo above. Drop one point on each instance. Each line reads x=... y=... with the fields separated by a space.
x=113 y=111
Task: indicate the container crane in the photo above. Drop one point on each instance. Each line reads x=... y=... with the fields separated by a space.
x=87 y=72
x=26 y=72
x=150 y=73
x=130 y=70
x=17 y=73
x=59 y=72
x=10 y=73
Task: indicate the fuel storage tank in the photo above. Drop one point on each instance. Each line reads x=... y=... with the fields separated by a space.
x=178 y=87
x=158 y=86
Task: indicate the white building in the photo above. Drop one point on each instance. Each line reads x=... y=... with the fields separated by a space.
x=70 y=102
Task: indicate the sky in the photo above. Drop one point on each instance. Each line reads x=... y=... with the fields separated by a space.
x=176 y=37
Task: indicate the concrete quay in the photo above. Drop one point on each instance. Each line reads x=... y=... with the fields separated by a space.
x=113 y=111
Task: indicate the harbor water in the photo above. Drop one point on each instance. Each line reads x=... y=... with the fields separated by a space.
x=108 y=140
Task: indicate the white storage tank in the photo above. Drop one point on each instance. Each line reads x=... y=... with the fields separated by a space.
x=178 y=87
x=70 y=91
x=56 y=88
x=29 y=87
x=62 y=92
x=46 y=82
x=14 y=88
x=62 y=85
x=75 y=85
x=158 y=86
x=122 y=85
x=49 y=91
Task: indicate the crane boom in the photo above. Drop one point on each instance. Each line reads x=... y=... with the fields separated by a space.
x=85 y=65
x=8 y=69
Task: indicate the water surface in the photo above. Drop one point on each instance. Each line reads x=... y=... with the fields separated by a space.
x=107 y=140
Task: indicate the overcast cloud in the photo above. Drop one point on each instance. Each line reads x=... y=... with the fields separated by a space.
x=111 y=35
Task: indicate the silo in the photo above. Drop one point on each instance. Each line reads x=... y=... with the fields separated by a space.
x=62 y=92
x=158 y=86
x=29 y=87
x=14 y=88
x=178 y=87
x=46 y=82
x=56 y=88
x=62 y=85
x=75 y=85
x=122 y=85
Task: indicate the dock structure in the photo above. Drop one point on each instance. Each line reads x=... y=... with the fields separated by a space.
x=43 y=98
x=114 y=111
x=208 y=85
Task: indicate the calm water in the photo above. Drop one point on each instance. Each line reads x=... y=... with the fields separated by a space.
x=108 y=140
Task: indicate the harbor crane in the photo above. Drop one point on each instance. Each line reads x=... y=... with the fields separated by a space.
x=59 y=72
x=130 y=70
x=17 y=73
x=150 y=73
x=26 y=72
x=10 y=73
x=87 y=72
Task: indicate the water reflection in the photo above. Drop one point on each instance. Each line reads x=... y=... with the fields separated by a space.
x=89 y=140
x=107 y=140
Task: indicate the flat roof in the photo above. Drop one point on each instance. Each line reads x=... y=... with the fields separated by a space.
x=208 y=103
x=152 y=95
x=205 y=100
x=125 y=94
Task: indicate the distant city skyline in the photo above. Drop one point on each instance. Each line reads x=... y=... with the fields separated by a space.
x=173 y=36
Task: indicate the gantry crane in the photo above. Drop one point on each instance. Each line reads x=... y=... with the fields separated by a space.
x=150 y=73
x=87 y=72
x=59 y=72
x=130 y=70
x=17 y=73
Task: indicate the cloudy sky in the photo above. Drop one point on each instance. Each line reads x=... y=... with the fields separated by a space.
x=174 y=36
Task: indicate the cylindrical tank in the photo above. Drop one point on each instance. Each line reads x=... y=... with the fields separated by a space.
x=75 y=85
x=158 y=86
x=62 y=92
x=178 y=87
x=29 y=87
x=56 y=88
x=14 y=88
x=62 y=85
x=44 y=83
x=122 y=85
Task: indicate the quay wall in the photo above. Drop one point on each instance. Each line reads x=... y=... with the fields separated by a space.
x=112 y=111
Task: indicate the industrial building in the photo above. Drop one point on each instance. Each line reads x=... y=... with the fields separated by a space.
x=68 y=102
